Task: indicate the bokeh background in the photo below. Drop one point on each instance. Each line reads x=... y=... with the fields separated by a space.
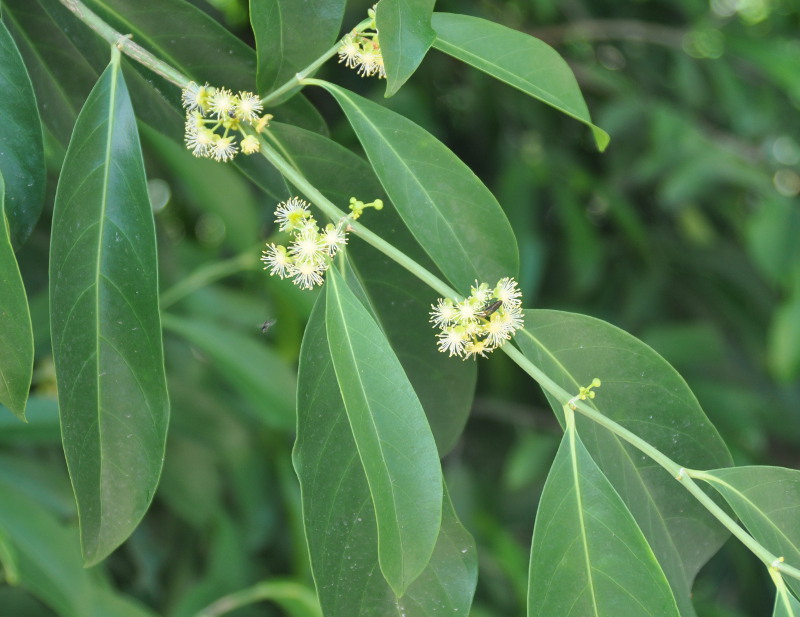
x=685 y=232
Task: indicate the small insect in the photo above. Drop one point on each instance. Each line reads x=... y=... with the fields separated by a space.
x=490 y=308
x=267 y=325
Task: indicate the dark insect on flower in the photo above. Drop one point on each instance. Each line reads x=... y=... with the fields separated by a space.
x=267 y=325
x=490 y=308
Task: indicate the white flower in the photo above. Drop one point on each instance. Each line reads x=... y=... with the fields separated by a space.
x=250 y=144
x=223 y=149
x=308 y=246
x=276 y=259
x=333 y=238
x=507 y=292
x=349 y=51
x=199 y=141
x=444 y=313
x=196 y=97
x=248 y=107
x=452 y=339
x=292 y=214
x=307 y=274
x=477 y=347
x=222 y=103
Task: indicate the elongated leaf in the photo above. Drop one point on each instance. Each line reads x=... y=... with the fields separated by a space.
x=589 y=556
x=395 y=444
x=46 y=50
x=448 y=209
x=644 y=394
x=21 y=147
x=339 y=516
x=252 y=368
x=405 y=37
x=767 y=500
x=105 y=322
x=518 y=59
x=16 y=332
x=281 y=52
x=786 y=605
x=399 y=300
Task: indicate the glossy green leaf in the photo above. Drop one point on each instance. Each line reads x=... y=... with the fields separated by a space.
x=16 y=332
x=786 y=605
x=448 y=209
x=339 y=516
x=767 y=501
x=250 y=366
x=281 y=52
x=21 y=147
x=518 y=59
x=392 y=436
x=105 y=321
x=405 y=37
x=589 y=556
x=399 y=301
x=642 y=392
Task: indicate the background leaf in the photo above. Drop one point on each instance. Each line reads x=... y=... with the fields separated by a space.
x=518 y=59
x=448 y=209
x=767 y=500
x=16 y=332
x=405 y=37
x=392 y=436
x=645 y=394
x=21 y=149
x=589 y=556
x=281 y=52
x=105 y=321
x=338 y=513
x=786 y=605
x=399 y=301
x=253 y=368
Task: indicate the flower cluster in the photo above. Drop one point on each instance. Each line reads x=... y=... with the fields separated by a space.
x=362 y=51
x=309 y=254
x=480 y=323
x=215 y=121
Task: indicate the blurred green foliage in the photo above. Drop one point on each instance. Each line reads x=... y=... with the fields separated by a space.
x=685 y=233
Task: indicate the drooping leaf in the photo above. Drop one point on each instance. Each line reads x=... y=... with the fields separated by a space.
x=105 y=322
x=339 y=516
x=518 y=59
x=448 y=209
x=767 y=501
x=16 y=332
x=394 y=442
x=21 y=147
x=405 y=37
x=290 y=35
x=252 y=368
x=399 y=300
x=589 y=556
x=642 y=392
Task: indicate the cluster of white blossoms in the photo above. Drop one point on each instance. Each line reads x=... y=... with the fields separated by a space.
x=309 y=254
x=480 y=323
x=215 y=121
x=362 y=51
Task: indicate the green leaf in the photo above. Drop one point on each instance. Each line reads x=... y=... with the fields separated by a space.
x=205 y=50
x=16 y=332
x=786 y=605
x=339 y=516
x=767 y=501
x=21 y=146
x=589 y=556
x=399 y=301
x=250 y=366
x=405 y=37
x=290 y=35
x=518 y=59
x=643 y=393
x=448 y=209
x=40 y=426
x=46 y=50
x=105 y=321
x=394 y=442
x=783 y=351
